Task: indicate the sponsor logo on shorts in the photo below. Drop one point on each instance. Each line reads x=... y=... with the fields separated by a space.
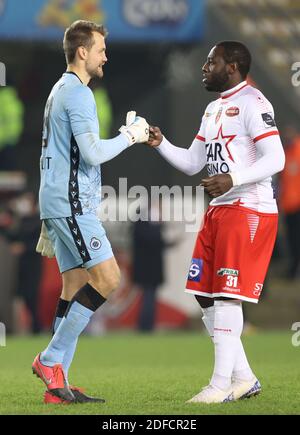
x=258 y=289
x=231 y=289
x=195 y=272
x=95 y=244
x=224 y=271
x=232 y=111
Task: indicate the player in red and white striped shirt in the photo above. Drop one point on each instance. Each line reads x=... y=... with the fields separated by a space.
x=239 y=144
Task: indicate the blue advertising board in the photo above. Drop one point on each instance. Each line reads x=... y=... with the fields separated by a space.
x=126 y=20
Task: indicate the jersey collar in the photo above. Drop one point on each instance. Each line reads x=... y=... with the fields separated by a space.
x=232 y=91
x=71 y=72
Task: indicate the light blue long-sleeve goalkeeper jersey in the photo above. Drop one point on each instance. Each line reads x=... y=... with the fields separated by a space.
x=69 y=184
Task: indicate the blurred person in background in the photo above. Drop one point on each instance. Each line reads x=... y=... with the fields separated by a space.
x=239 y=144
x=70 y=195
x=23 y=236
x=148 y=264
x=11 y=126
x=289 y=197
x=7 y=267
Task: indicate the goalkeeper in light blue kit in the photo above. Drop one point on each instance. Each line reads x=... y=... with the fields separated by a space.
x=70 y=194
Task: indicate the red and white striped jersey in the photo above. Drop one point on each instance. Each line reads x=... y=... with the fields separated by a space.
x=230 y=129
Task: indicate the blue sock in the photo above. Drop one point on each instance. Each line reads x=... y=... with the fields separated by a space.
x=69 y=354
x=67 y=333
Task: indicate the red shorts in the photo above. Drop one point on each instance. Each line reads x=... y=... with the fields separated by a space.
x=232 y=253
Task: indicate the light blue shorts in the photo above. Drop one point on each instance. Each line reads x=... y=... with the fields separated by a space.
x=78 y=241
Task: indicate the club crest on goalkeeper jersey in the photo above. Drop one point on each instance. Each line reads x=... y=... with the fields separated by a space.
x=230 y=128
x=69 y=186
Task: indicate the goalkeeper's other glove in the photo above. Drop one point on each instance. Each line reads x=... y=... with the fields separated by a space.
x=44 y=245
x=136 y=128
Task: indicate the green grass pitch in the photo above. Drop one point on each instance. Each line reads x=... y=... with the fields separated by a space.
x=151 y=375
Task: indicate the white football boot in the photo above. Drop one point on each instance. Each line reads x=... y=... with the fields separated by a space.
x=245 y=389
x=212 y=394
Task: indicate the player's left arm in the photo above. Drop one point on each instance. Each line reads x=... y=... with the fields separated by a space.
x=261 y=127
x=271 y=161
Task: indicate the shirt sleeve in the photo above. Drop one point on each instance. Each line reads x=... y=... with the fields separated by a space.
x=191 y=160
x=271 y=160
x=261 y=128
x=82 y=111
x=95 y=151
x=259 y=121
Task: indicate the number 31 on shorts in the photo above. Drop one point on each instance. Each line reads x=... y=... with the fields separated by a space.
x=232 y=281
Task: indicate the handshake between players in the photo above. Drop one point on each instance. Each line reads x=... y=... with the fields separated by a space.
x=138 y=130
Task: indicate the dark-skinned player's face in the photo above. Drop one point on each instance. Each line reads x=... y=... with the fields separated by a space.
x=215 y=71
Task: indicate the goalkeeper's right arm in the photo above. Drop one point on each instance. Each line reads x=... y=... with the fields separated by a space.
x=44 y=245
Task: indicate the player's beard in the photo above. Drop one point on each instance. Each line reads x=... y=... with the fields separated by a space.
x=217 y=82
x=95 y=72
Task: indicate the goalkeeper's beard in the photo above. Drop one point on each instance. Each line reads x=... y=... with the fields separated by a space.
x=95 y=72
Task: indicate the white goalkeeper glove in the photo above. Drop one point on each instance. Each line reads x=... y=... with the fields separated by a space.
x=44 y=245
x=130 y=117
x=136 y=128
